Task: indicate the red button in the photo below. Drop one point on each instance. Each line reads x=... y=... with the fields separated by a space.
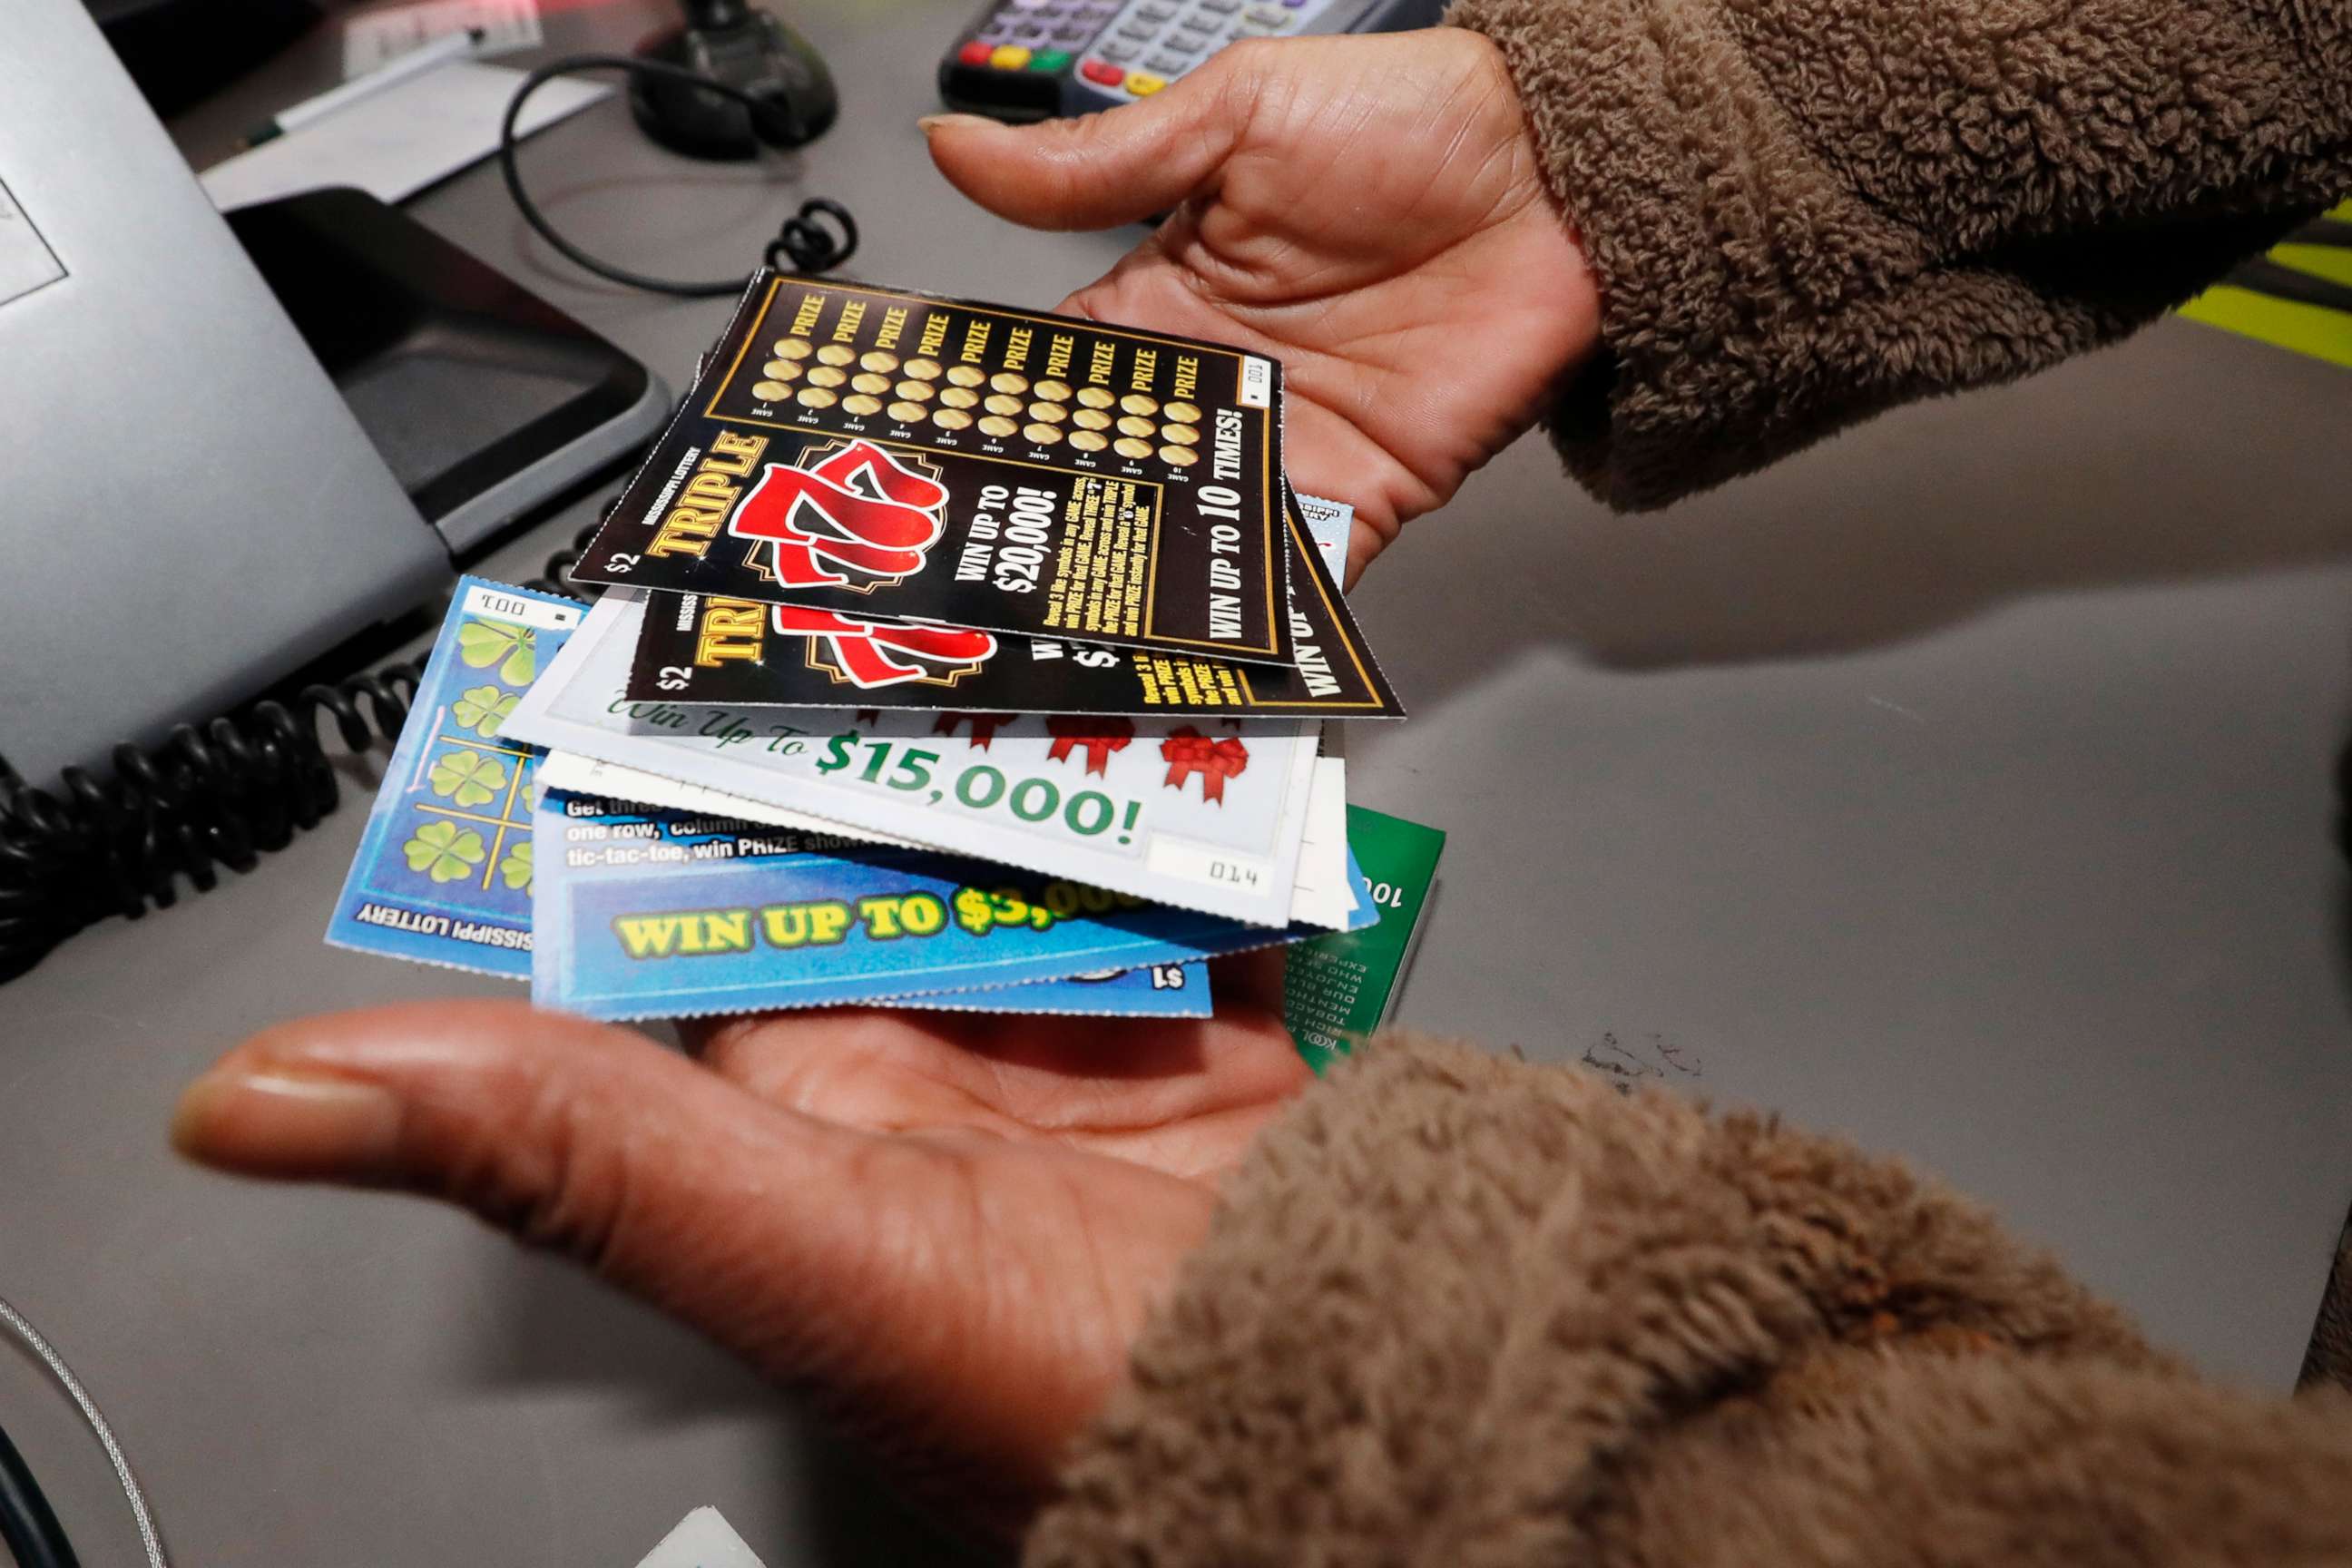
x=1102 y=71
x=974 y=53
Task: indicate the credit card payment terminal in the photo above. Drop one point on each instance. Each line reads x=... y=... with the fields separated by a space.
x=1032 y=59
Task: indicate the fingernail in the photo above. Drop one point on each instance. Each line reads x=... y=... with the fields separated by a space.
x=932 y=124
x=271 y=1122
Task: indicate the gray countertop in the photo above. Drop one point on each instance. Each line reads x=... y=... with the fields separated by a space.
x=1966 y=786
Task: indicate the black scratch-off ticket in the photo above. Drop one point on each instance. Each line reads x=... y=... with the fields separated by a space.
x=895 y=457
x=737 y=652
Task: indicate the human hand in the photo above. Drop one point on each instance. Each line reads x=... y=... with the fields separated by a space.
x=948 y=1226
x=1368 y=210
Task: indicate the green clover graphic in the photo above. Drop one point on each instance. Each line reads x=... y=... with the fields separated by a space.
x=483 y=643
x=516 y=867
x=468 y=777
x=443 y=852
x=483 y=709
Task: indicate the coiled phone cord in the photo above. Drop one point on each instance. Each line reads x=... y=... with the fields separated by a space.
x=221 y=793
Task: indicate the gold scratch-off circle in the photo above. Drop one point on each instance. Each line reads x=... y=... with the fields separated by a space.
x=1181 y=435
x=1182 y=412
x=997 y=424
x=835 y=354
x=1053 y=391
x=1088 y=440
x=780 y=369
x=771 y=391
x=1091 y=419
x=827 y=375
x=1136 y=403
x=814 y=398
x=861 y=404
x=923 y=369
x=907 y=413
x=869 y=384
x=1136 y=425
x=1128 y=447
x=878 y=360
x=951 y=419
x=1183 y=457
x=959 y=397
x=966 y=375
x=1040 y=434
x=918 y=391
x=794 y=348
x=1049 y=413
x=1002 y=403
x=1096 y=396
x=1006 y=381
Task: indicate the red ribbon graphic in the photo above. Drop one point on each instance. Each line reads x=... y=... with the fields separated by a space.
x=1188 y=751
x=985 y=726
x=884 y=653
x=873 y=520
x=1100 y=737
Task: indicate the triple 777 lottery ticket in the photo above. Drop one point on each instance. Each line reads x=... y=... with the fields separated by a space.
x=900 y=457
x=1186 y=813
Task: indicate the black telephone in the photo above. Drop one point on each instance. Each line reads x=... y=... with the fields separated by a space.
x=221 y=793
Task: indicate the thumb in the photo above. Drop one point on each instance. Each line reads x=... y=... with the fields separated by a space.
x=1122 y=166
x=590 y=1140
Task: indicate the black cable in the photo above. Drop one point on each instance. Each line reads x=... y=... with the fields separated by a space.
x=218 y=795
x=27 y=1524
x=808 y=245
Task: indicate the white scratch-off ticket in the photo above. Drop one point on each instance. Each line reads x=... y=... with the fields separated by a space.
x=1187 y=813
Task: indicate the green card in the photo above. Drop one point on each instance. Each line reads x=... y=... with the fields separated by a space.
x=1338 y=988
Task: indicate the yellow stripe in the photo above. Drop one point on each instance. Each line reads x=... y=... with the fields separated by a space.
x=2306 y=329
x=2332 y=262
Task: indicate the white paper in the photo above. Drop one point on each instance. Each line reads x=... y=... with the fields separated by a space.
x=1143 y=822
x=702 y=1540
x=395 y=142
x=1322 y=897
x=373 y=38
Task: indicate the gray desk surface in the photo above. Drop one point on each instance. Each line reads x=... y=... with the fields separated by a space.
x=1966 y=786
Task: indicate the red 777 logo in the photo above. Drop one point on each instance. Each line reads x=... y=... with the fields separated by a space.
x=856 y=520
x=871 y=654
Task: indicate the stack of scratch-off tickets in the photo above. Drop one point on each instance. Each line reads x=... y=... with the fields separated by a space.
x=949 y=657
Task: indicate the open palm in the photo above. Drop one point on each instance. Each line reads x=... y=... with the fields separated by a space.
x=949 y=1226
x=1368 y=211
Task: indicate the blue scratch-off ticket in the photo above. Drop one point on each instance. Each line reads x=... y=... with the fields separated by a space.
x=1154 y=991
x=445 y=868
x=645 y=913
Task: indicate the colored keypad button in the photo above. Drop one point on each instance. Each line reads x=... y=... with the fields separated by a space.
x=1049 y=60
x=974 y=53
x=1102 y=71
x=1143 y=85
x=1009 y=57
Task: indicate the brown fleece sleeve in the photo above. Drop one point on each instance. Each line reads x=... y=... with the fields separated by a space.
x=1458 y=1309
x=1803 y=212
